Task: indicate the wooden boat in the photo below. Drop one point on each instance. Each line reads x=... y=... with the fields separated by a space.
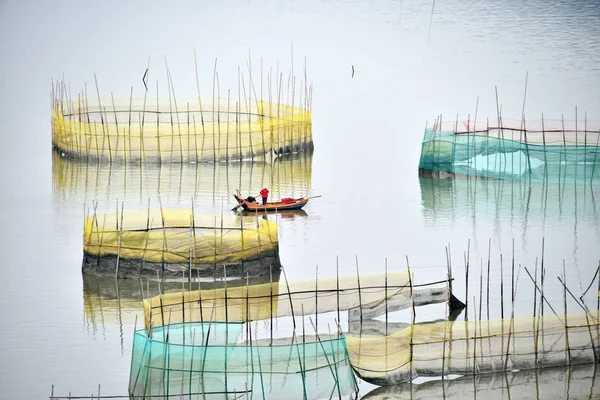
x=294 y=204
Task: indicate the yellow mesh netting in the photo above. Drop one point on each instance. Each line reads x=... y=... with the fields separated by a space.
x=468 y=347
x=256 y=302
x=171 y=236
x=205 y=131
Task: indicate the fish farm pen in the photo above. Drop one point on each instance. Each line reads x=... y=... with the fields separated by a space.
x=263 y=340
x=178 y=244
x=170 y=129
x=540 y=150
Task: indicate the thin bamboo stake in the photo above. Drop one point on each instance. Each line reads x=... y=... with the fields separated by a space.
x=176 y=113
x=359 y=291
x=467 y=261
x=512 y=321
x=487 y=298
x=317 y=297
x=120 y=242
x=587 y=316
x=535 y=343
x=568 y=350
x=337 y=286
x=105 y=133
x=271 y=301
x=158 y=125
x=326 y=358
x=386 y=297
x=289 y=297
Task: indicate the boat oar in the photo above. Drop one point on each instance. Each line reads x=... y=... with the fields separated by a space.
x=308 y=198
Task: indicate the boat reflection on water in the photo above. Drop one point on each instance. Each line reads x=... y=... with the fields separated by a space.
x=272 y=216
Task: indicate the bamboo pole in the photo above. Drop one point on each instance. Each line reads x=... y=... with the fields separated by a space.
x=158 y=125
x=512 y=320
x=120 y=242
x=317 y=297
x=467 y=262
x=412 y=317
x=116 y=127
x=289 y=297
x=326 y=358
x=271 y=301
x=129 y=121
x=201 y=112
x=105 y=133
x=359 y=291
x=337 y=286
x=176 y=113
x=487 y=298
x=568 y=350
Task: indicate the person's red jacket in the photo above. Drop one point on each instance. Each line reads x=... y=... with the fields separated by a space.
x=264 y=193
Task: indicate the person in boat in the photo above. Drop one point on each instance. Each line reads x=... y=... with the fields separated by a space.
x=264 y=193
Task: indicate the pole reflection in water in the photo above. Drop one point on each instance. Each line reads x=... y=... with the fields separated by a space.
x=575 y=382
x=288 y=176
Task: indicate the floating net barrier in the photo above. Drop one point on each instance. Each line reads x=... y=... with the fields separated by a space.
x=268 y=301
x=287 y=176
x=545 y=150
x=179 y=244
x=189 y=359
x=183 y=130
x=573 y=382
x=476 y=347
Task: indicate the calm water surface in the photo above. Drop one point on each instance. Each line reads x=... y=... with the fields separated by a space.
x=410 y=66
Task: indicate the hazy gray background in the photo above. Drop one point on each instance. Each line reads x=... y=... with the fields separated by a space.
x=410 y=66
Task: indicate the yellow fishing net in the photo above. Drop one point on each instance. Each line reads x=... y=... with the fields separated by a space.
x=259 y=302
x=160 y=131
x=179 y=239
x=468 y=347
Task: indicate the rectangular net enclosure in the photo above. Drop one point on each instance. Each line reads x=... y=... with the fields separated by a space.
x=545 y=150
x=178 y=130
x=206 y=360
x=178 y=244
x=477 y=347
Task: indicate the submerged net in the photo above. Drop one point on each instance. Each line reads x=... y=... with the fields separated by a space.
x=133 y=130
x=196 y=360
x=536 y=150
x=179 y=243
x=474 y=347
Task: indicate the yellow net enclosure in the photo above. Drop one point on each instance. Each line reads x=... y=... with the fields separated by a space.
x=474 y=347
x=259 y=302
x=178 y=130
x=179 y=244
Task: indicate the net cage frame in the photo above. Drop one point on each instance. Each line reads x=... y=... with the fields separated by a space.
x=476 y=347
x=161 y=365
x=365 y=297
x=536 y=149
x=159 y=130
x=178 y=244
